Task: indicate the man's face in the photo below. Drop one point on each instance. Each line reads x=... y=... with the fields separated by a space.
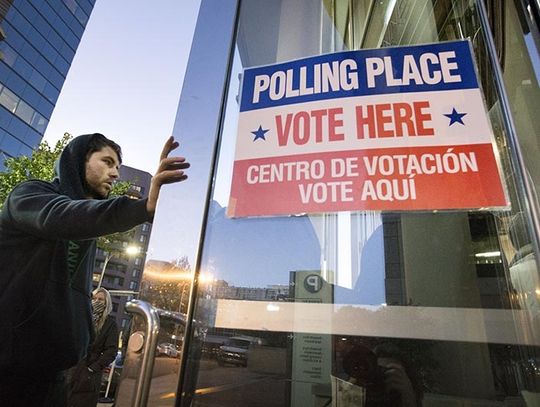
x=101 y=170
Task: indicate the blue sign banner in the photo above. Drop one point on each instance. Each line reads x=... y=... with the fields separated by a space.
x=420 y=68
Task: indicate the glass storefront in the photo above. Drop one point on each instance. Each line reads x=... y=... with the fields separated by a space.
x=431 y=308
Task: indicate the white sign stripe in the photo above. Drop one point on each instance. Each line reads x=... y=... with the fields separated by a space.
x=514 y=327
x=476 y=129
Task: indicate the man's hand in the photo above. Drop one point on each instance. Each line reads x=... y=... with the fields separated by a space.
x=170 y=170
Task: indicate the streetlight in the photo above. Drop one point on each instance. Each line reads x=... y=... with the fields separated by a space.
x=129 y=250
x=133 y=250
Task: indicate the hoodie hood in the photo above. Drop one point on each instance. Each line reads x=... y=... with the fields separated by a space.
x=70 y=168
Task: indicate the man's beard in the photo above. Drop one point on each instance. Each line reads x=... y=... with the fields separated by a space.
x=93 y=193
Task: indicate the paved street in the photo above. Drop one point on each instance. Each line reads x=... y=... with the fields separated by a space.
x=217 y=386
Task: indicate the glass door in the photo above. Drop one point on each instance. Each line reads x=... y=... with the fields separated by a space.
x=370 y=308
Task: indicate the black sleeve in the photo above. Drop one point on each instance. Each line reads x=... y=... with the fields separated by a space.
x=38 y=209
x=110 y=347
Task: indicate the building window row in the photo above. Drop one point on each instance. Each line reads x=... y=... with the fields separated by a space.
x=34 y=56
x=39 y=42
x=30 y=74
x=117 y=267
x=62 y=20
x=46 y=23
x=110 y=280
x=77 y=11
x=21 y=109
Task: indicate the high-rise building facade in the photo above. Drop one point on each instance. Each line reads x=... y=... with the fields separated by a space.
x=38 y=41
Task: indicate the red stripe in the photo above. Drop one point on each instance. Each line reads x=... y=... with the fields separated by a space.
x=461 y=190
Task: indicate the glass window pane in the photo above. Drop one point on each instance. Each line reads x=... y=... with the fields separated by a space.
x=9 y=100
x=326 y=309
x=8 y=55
x=39 y=122
x=24 y=111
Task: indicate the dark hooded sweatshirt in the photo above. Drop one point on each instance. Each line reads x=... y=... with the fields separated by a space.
x=47 y=250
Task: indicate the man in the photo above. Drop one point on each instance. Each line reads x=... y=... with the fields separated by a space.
x=47 y=248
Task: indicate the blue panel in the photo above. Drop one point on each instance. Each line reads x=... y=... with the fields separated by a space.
x=26 y=11
x=55 y=39
x=69 y=21
x=22 y=67
x=51 y=93
x=25 y=49
x=5 y=118
x=33 y=138
x=15 y=18
x=10 y=145
x=61 y=65
x=34 y=36
x=12 y=37
x=30 y=96
x=37 y=80
x=86 y=6
x=61 y=28
x=56 y=79
x=43 y=67
x=37 y=101
x=49 y=52
x=81 y=16
x=291 y=70
x=49 y=31
x=25 y=150
x=45 y=108
x=72 y=40
x=15 y=83
x=5 y=72
x=17 y=126
x=67 y=53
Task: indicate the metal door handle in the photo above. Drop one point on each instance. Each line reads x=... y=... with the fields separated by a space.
x=151 y=319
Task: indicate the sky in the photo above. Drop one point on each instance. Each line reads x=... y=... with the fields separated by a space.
x=126 y=77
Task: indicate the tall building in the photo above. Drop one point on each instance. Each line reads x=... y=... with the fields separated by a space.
x=38 y=40
x=120 y=270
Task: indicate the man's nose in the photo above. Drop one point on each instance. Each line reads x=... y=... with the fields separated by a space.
x=114 y=173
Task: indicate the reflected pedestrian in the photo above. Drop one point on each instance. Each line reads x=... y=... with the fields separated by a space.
x=85 y=381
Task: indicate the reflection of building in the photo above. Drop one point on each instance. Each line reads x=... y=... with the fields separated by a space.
x=222 y=289
x=123 y=271
x=166 y=284
x=37 y=44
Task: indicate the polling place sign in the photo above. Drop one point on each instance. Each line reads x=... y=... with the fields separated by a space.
x=393 y=129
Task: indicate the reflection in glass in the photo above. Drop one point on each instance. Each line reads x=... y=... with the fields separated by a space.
x=375 y=309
